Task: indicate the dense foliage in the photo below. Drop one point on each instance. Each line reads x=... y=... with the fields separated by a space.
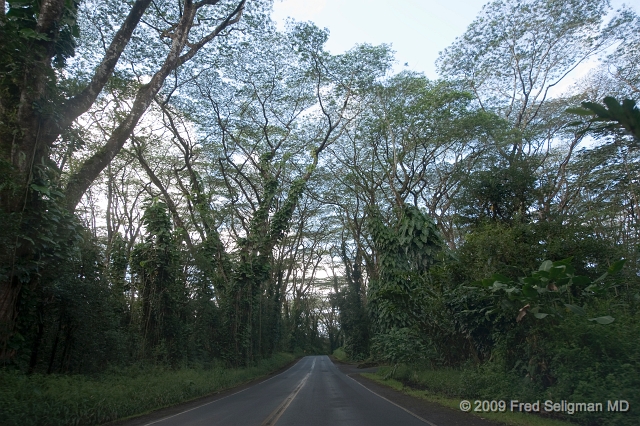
x=184 y=184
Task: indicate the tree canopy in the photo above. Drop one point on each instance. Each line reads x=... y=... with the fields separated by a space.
x=183 y=182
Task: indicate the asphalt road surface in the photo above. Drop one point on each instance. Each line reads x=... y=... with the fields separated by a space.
x=312 y=393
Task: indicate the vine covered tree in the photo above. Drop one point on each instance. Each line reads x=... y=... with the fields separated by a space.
x=38 y=107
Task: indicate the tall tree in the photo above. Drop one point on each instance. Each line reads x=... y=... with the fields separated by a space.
x=36 y=108
x=515 y=53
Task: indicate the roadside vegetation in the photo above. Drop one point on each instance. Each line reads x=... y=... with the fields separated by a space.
x=440 y=397
x=521 y=283
x=186 y=187
x=117 y=393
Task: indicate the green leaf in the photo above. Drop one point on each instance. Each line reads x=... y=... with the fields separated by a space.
x=487 y=282
x=29 y=33
x=563 y=262
x=540 y=315
x=506 y=304
x=529 y=291
x=556 y=272
x=615 y=109
x=546 y=266
x=601 y=277
x=595 y=289
x=41 y=189
x=576 y=309
x=616 y=267
x=603 y=320
x=579 y=111
x=569 y=270
x=600 y=110
x=542 y=274
x=500 y=278
x=581 y=280
x=575 y=123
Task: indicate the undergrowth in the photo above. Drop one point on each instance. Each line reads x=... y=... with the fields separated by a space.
x=340 y=355
x=82 y=400
x=490 y=382
x=506 y=418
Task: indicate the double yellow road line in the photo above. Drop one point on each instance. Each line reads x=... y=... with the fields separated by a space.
x=275 y=415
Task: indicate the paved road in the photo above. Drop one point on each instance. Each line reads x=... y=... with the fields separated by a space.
x=312 y=393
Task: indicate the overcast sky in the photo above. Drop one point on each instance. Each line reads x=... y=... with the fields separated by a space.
x=417 y=29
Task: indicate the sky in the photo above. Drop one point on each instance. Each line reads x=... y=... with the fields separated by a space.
x=417 y=29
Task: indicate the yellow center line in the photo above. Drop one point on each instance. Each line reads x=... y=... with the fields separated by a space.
x=275 y=415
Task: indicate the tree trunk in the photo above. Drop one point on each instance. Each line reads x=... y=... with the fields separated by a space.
x=28 y=127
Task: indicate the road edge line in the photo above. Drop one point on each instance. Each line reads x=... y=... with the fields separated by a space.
x=388 y=400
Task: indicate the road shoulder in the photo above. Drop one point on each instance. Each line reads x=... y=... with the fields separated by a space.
x=153 y=416
x=430 y=411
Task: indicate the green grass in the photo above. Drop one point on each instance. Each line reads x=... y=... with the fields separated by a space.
x=440 y=376
x=340 y=355
x=81 y=400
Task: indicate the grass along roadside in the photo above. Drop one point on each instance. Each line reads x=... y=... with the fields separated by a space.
x=507 y=418
x=340 y=355
x=81 y=400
